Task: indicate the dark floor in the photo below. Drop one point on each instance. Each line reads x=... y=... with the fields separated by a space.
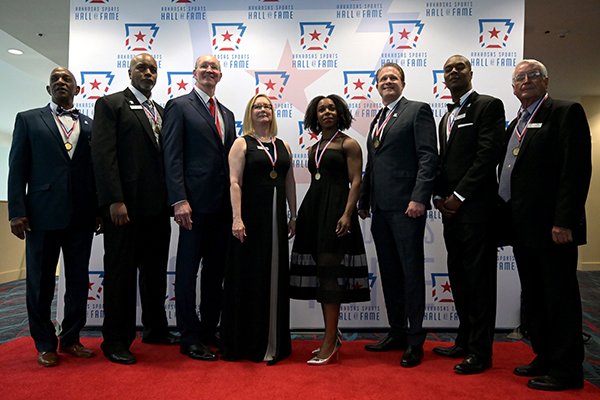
x=13 y=321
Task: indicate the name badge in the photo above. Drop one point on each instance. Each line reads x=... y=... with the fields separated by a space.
x=461 y=116
x=136 y=107
x=463 y=125
x=534 y=125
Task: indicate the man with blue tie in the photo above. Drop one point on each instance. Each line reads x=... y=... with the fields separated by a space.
x=128 y=163
x=397 y=187
x=52 y=205
x=198 y=134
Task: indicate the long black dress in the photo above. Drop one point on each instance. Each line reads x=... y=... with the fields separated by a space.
x=255 y=324
x=325 y=267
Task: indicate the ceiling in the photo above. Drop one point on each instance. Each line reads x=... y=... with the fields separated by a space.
x=560 y=34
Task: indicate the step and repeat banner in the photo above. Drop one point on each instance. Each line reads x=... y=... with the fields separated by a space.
x=294 y=50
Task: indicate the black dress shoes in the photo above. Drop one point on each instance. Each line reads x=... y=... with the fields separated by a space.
x=388 y=343
x=548 y=382
x=120 y=356
x=451 y=351
x=168 y=338
x=530 y=370
x=412 y=356
x=199 y=352
x=473 y=364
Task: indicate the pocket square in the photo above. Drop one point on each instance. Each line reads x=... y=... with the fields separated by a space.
x=463 y=125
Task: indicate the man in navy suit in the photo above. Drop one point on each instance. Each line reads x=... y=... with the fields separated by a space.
x=471 y=135
x=198 y=134
x=397 y=187
x=544 y=181
x=52 y=205
x=128 y=162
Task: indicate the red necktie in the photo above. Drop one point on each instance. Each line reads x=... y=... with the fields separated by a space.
x=213 y=112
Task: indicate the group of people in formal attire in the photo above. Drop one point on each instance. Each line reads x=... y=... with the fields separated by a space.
x=234 y=200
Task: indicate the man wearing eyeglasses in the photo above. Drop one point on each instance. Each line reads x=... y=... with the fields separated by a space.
x=198 y=134
x=544 y=181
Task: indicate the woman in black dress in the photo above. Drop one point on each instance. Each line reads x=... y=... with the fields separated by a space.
x=328 y=258
x=255 y=323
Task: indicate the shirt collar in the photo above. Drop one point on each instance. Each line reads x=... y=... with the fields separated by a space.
x=464 y=97
x=394 y=103
x=139 y=95
x=533 y=105
x=203 y=96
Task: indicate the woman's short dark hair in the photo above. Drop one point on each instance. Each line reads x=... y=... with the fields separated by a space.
x=343 y=112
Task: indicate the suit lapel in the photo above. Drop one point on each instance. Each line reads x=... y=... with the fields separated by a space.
x=85 y=136
x=140 y=115
x=201 y=108
x=48 y=118
x=541 y=117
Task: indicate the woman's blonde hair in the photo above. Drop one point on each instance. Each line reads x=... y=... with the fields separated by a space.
x=249 y=126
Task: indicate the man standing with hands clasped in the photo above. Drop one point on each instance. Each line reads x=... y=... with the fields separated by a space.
x=52 y=205
x=397 y=186
x=470 y=136
x=127 y=154
x=544 y=182
x=199 y=132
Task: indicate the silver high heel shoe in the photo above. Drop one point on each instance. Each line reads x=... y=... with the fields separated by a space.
x=339 y=340
x=316 y=361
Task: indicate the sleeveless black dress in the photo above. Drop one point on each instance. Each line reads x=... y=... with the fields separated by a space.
x=255 y=322
x=325 y=267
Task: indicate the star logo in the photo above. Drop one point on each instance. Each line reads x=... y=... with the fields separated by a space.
x=441 y=292
x=440 y=91
x=404 y=34
x=182 y=85
x=270 y=85
x=227 y=36
x=139 y=37
x=95 y=84
x=446 y=287
x=315 y=35
x=143 y=40
x=178 y=82
x=495 y=33
x=358 y=84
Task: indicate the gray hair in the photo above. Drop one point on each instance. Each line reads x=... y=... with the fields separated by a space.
x=535 y=63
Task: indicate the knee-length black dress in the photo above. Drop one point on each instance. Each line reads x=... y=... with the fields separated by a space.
x=325 y=267
x=256 y=318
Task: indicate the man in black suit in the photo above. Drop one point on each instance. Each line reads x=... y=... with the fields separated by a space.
x=52 y=204
x=471 y=135
x=544 y=181
x=397 y=186
x=128 y=163
x=198 y=134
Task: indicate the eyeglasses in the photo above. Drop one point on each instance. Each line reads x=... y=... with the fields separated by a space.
x=531 y=75
x=262 y=107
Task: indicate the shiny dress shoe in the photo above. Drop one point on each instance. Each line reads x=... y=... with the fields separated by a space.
x=199 y=352
x=472 y=364
x=530 y=370
x=551 y=383
x=120 y=356
x=450 y=351
x=47 y=358
x=77 y=350
x=317 y=361
x=412 y=356
x=339 y=339
x=169 y=338
x=388 y=343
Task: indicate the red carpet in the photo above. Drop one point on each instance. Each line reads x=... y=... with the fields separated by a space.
x=162 y=373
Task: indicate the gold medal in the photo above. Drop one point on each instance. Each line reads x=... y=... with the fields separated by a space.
x=273 y=174
x=68 y=146
x=376 y=143
x=157 y=129
x=515 y=151
x=318 y=176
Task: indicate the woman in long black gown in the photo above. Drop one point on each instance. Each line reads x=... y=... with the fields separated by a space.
x=255 y=324
x=328 y=258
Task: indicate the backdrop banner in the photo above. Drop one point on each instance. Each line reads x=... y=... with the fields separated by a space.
x=294 y=50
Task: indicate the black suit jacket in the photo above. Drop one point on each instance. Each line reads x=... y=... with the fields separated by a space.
x=403 y=168
x=468 y=157
x=127 y=160
x=551 y=175
x=44 y=183
x=196 y=162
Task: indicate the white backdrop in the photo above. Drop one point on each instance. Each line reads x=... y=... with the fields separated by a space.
x=293 y=50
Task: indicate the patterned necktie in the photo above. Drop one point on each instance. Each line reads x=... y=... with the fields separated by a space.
x=213 y=112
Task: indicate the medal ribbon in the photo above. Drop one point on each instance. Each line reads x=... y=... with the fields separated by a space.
x=63 y=128
x=452 y=118
x=319 y=158
x=150 y=112
x=521 y=135
x=272 y=159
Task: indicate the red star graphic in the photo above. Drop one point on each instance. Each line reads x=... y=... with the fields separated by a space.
x=446 y=287
x=95 y=84
x=494 y=33
x=315 y=35
x=404 y=34
x=182 y=85
x=139 y=37
x=270 y=85
x=313 y=135
x=358 y=84
x=227 y=36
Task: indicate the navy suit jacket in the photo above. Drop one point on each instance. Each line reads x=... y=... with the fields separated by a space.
x=127 y=160
x=403 y=168
x=196 y=163
x=469 y=156
x=551 y=175
x=44 y=184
